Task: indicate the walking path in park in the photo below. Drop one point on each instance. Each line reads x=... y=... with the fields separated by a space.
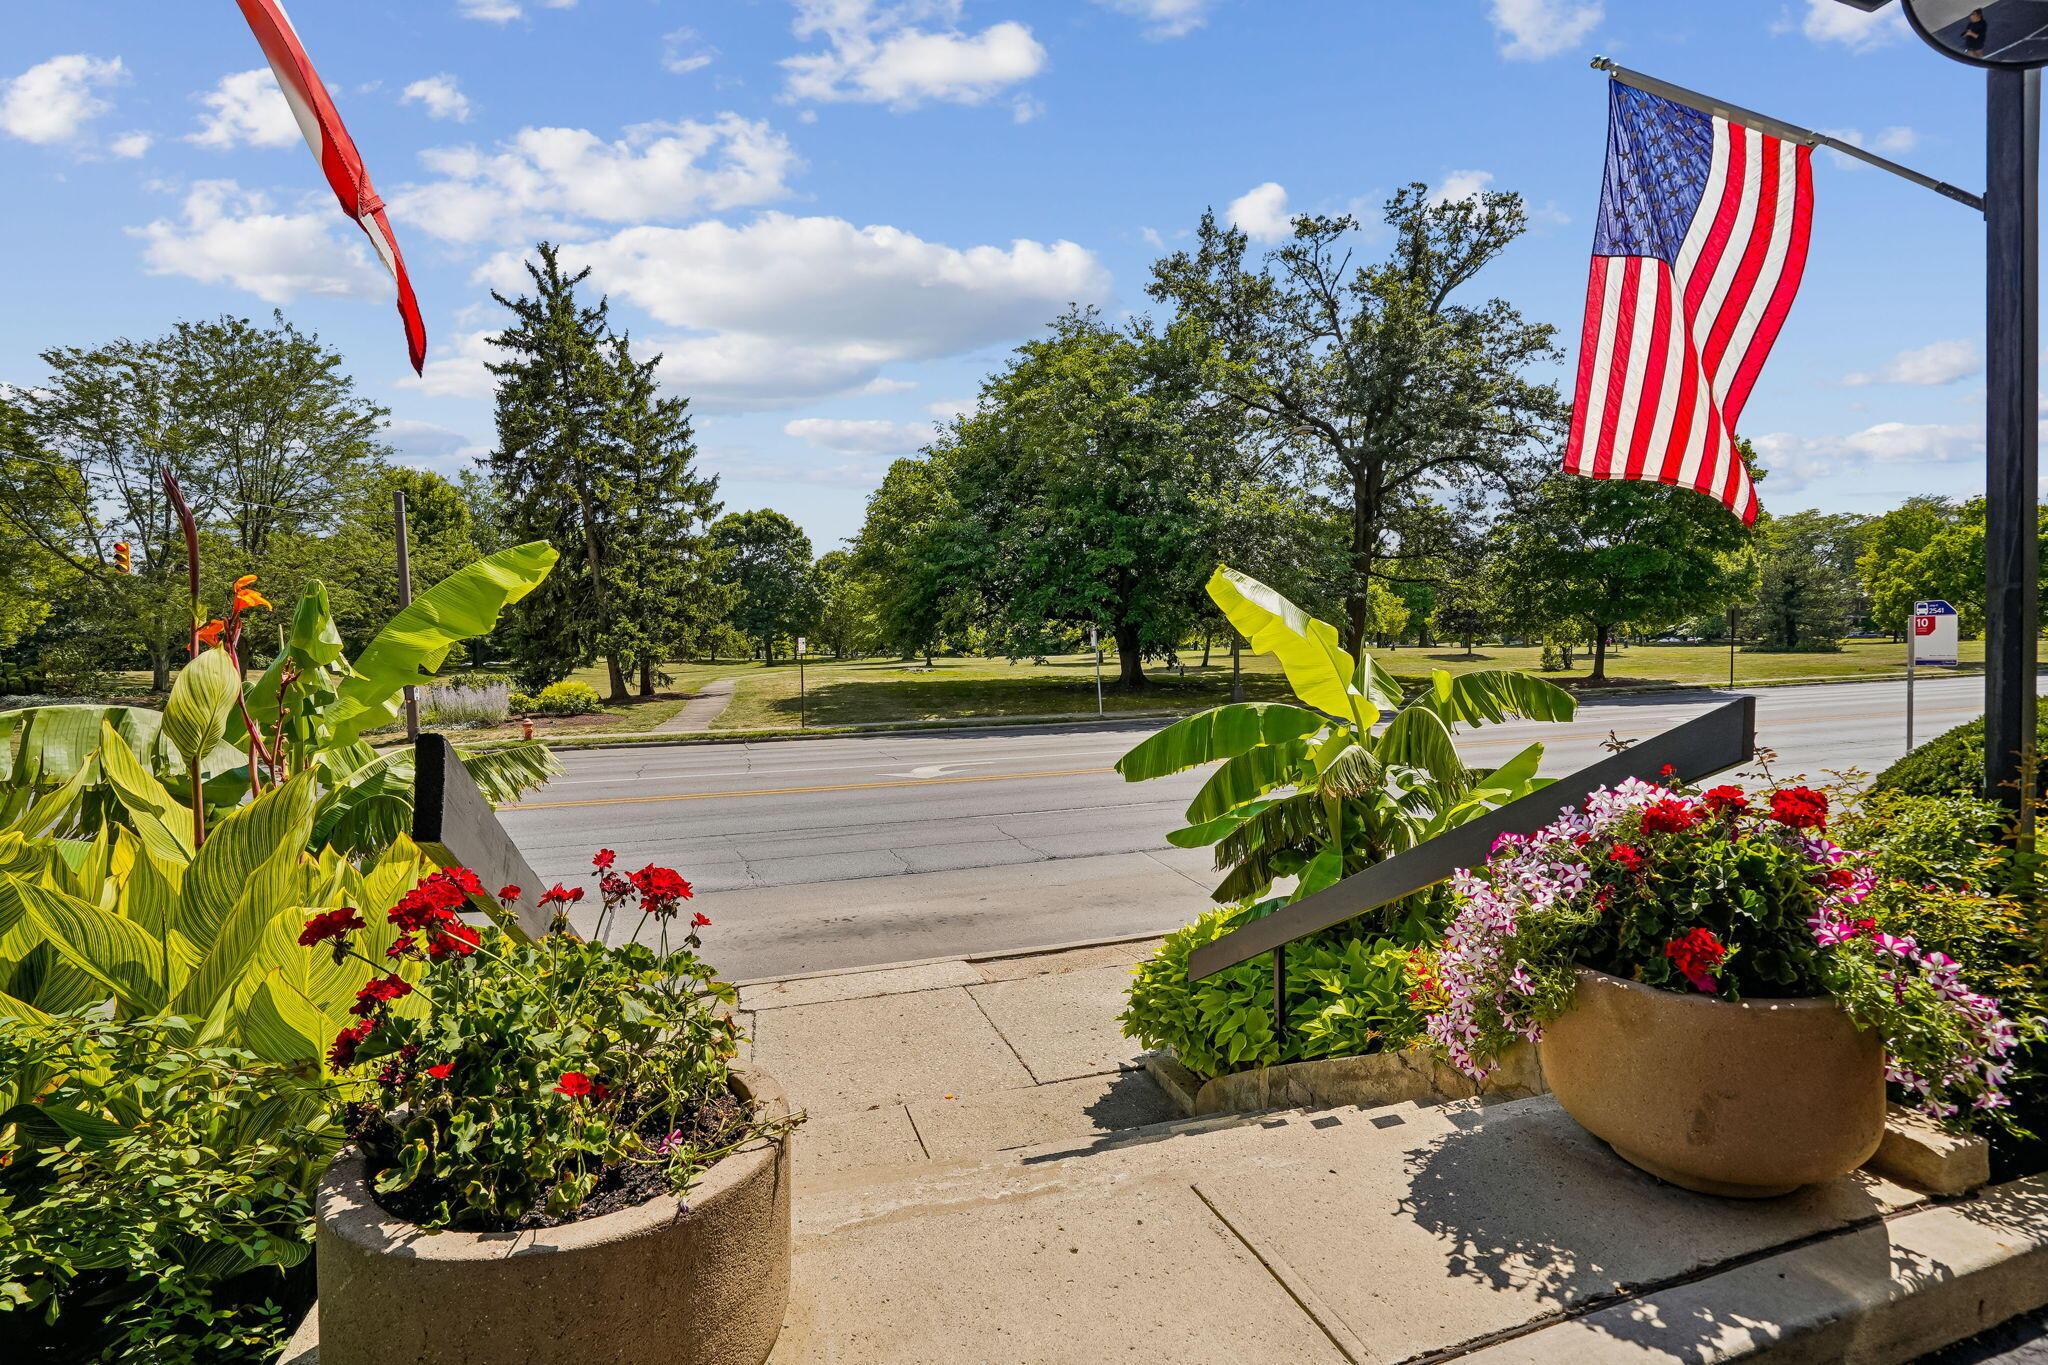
x=699 y=711
x=987 y=1175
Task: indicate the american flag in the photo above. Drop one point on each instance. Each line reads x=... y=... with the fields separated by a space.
x=335 y=150
x=1701 y=241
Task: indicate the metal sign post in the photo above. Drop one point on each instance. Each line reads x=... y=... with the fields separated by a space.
x=803 y=712
x=1095 y=646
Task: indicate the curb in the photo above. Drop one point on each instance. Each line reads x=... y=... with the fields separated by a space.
x=1003 y=955
x=963 y=725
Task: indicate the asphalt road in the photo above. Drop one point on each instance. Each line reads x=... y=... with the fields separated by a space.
x=887 y=848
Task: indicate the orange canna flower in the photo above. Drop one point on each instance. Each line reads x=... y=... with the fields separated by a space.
x=209 y=634
x=246 y=596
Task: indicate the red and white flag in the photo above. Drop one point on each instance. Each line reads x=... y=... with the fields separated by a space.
x=336 y=153
x=1701 y=242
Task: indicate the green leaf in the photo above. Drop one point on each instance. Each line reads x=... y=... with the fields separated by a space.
x=203 y=697
x=1323 y=871
x=114 y=952
x=1318 y=667
x=412 y=645
x=1220 y=733
x=1492 y=695
x=1247 y=777
x=277 y=822
x=1417 y=737
x=281 y=1025
x=1209 y=831
x=56 y=742
x=162 y=822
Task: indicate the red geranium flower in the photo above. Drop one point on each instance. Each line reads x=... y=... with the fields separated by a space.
x=604 y=859
x=1726 y=800
x=1799 y=808
x=328 y=924
x=343 y=1053
x=1628 y=855
x=559 y=894
x=508 y=893
x=1667 y=772
x=378 y=993
x=661 y=889
x=1698 y=955
x=700 y=920
x=574 y=1084
x=1671 y=816
x=471 y=884
x=454 y=940
x=442 y=1072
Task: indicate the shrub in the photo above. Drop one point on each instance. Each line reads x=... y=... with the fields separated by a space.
x=460 y=704
x=156 y=1196
x=1347 y=995
x=540 y=1074
x=1951 y=762
x=521 y=703
x=566 y=698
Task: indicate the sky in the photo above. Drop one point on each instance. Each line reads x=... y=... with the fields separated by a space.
x=833 y=218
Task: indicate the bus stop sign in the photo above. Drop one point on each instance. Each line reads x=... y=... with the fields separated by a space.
x=1934 y=633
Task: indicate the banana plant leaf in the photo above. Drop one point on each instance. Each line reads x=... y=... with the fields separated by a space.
x=1319 y=669
x=414 y=643
x=1220 y=733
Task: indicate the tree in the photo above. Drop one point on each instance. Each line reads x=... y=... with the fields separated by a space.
x=1806 y=583
x=1080 y=473
x=1886 y=570
x=915 y=555
x=1948 y=564
x=765 y=559
x=1620 y=552
x=846 y=624
x=1395 y=393
x=668 y=602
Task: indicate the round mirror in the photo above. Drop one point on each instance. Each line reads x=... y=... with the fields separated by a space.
x=2006 y=33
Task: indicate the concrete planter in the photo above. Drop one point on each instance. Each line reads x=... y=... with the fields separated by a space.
x=1379 y=1078
x=1747 y=1099
x=705 y=1285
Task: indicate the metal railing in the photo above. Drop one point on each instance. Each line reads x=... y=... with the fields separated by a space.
x=1723 y=738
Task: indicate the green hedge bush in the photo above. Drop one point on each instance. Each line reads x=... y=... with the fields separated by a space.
x=1951 y=762
x=566 y=698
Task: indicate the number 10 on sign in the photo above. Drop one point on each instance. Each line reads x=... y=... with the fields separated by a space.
x=1930 y=639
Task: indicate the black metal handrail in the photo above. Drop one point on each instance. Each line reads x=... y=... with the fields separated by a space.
x=1721 y=739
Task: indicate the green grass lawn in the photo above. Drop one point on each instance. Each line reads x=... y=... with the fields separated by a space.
x=869 y=691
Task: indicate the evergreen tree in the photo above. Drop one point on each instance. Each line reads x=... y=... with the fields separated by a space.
x=1806 y=582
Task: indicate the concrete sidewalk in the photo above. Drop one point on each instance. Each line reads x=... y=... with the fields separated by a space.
x=987 y=1177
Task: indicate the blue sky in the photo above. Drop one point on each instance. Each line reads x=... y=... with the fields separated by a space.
x=835 y=216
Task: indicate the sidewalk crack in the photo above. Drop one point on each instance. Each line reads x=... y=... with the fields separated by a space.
x=1002 y=1035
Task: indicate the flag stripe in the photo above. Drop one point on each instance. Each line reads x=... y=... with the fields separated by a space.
x=1648 y=410
x=1620 y=374
x=1791 y=271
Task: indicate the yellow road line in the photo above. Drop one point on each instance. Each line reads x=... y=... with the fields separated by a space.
x=801 y=791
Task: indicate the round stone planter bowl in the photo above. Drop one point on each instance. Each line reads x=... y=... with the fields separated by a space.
x=1747 y=1099
x=700 y=1281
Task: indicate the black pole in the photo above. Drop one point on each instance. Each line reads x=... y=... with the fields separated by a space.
x=2012 y=211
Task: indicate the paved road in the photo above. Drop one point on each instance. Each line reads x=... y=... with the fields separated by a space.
x=884 y=848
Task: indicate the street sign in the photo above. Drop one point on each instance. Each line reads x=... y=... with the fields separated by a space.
x=800 y=646
x=1934 y=633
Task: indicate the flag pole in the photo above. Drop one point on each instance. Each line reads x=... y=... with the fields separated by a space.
x=1778 y=128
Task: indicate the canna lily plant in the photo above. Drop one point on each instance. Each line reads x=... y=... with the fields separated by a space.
x=219 y=742
x=1321 y=789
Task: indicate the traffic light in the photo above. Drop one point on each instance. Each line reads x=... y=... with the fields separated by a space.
x=121 y=561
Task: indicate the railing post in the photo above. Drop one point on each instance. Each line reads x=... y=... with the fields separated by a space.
x=1280 y=994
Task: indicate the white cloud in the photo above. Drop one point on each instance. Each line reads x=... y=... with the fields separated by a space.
x=441 y=95
x=946 y=409
x=1796 y=462
x=52 y=101
x=429 y=445
x=1894 y=141
x=129 y=146
x=229 y=235
x=543 y=177
x=455 y=367
x=682 y=52
x=1891 y=142
x=882 y=54
x=1941 y=362
x=1457 y=185
x=1531 y=30
x=246 y=109
x=852 y=436
x=1830 y=21
x=1165 y=18
x=785 y=309
x=735 y=465
x=503 y=11
x=1261 y=212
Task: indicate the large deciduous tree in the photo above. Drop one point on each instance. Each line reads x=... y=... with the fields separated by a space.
x=1613 y=553
x=1397 y=390
x=917 y=557
x=764 y=559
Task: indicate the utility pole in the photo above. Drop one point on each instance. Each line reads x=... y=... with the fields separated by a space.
x=412 y=701
x=1095 y=645
x=803 y=706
